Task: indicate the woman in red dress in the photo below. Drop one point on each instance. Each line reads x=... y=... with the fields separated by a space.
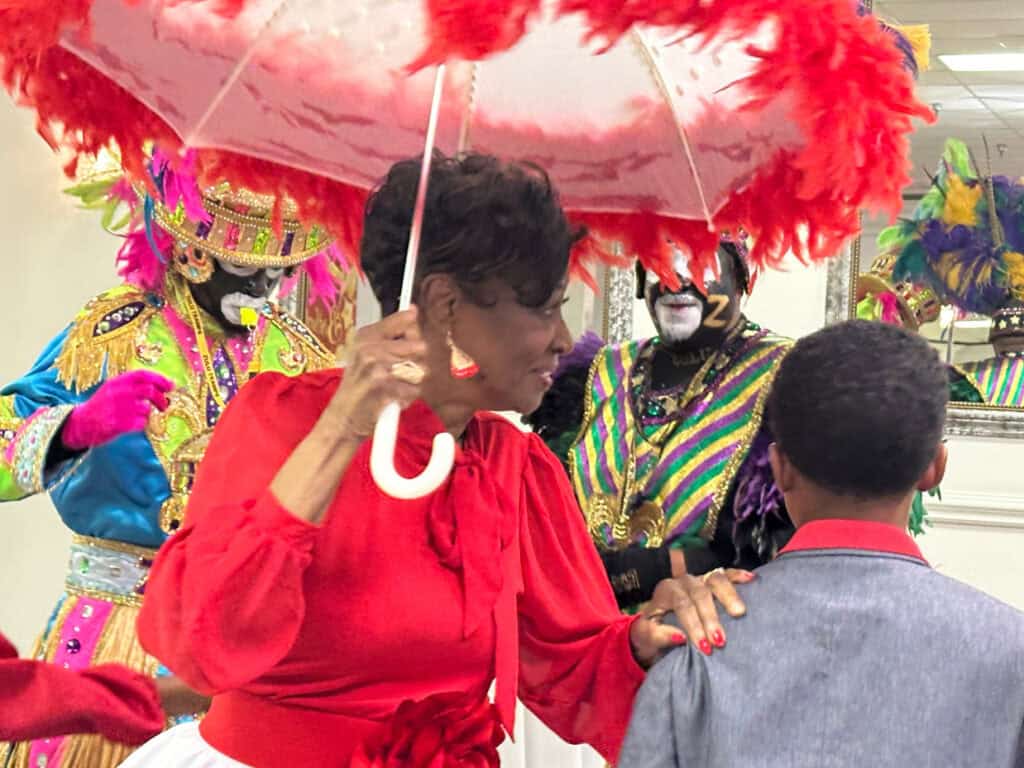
x=334 y=625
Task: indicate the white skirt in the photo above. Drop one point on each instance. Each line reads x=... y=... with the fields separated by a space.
x=180 y=747
x=535 y=746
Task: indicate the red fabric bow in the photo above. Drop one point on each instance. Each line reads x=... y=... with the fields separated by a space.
x=470 y=524
x=448 y=730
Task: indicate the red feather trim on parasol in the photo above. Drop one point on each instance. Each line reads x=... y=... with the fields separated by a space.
x=807 y=202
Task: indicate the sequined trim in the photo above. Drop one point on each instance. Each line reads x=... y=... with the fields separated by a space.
x=110 y=597
x=102 y=341
x=216 y=240
x=652 y=486
x=114 y=546
x=31 y=445
x=320 y=357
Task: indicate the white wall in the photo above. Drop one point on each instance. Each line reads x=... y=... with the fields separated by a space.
x=56 y=259
x=978 y=527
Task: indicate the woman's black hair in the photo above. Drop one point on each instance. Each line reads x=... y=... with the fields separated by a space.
x=484 y=219
x=740 y=269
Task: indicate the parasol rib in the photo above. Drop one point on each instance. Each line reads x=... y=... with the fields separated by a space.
x=231 y=79
x=416 y=228
x=465 y=135
x=661 y=80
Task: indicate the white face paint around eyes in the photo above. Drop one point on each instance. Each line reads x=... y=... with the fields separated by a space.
x=681 y=264
x=237 y=270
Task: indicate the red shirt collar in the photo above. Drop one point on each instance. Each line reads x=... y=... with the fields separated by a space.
x=853 y=534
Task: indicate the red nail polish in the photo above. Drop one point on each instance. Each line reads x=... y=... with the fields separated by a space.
x=678 y=639
x=718 y=638
x=705 y=646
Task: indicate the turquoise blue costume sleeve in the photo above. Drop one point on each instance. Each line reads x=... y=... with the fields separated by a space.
x=113 y=492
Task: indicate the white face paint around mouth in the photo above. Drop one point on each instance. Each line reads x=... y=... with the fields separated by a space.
x=679 y=316
x=231 y=306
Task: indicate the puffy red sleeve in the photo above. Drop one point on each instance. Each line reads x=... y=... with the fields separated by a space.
x=40 y=700
x=577 y=670
x=224 y=601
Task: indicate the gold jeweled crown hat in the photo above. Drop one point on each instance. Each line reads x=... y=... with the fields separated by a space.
x=917 y=305
x=235 y=225
x=186 y=228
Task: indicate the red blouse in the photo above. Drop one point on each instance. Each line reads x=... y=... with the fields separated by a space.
x=311 y=637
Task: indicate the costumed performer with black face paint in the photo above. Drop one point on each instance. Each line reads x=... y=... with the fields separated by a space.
x=115 y=415
x=663 y=438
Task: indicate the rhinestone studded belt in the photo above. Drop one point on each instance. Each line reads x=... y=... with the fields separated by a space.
x=108 y=570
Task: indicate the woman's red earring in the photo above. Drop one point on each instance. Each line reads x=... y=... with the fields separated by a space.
x=462 y=366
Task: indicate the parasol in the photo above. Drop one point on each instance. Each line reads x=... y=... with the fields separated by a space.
x=657 y=121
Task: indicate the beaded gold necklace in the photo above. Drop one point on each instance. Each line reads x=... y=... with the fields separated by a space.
x=187 y=303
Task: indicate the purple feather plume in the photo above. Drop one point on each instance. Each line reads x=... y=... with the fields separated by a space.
x=756 y=492
x=979 y=288
x=909 y=59
x=581 y=355
x=1010 y=205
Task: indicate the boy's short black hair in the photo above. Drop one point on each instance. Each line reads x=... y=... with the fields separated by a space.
x=859 y=408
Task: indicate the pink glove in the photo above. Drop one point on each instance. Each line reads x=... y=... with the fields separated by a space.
x=121 y=404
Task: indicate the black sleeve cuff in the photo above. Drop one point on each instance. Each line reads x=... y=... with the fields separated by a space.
x=634 y=572
x=700 y=560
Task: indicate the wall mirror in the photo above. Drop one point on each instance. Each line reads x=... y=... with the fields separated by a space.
x=975 y=84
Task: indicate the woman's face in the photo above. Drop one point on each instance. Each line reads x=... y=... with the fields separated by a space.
x=516 y=347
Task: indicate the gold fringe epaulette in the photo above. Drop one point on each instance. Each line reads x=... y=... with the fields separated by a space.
x=318 y=356
x=101 y=341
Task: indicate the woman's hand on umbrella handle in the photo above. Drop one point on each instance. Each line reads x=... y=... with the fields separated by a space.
x=386 y=363
x=383 y=372
x=382 y=460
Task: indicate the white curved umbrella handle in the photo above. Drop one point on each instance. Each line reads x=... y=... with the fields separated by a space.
x=382 y=460
x=382 y=453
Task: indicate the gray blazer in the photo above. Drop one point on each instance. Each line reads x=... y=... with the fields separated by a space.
x=846 y=659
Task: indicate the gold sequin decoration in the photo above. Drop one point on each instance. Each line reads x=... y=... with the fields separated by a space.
x=88 y=349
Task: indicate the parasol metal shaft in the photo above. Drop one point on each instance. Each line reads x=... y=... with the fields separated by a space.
x=662 y=81
x=416 y=228
x=385 y=434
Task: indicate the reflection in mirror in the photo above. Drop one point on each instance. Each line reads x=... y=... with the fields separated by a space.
x=962 y=246
x=952 y=268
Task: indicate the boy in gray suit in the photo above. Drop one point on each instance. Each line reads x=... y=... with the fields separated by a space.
x=854 y=651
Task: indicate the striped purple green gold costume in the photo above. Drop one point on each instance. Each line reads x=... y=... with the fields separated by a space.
x=650 y=475
x=1000 y=379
